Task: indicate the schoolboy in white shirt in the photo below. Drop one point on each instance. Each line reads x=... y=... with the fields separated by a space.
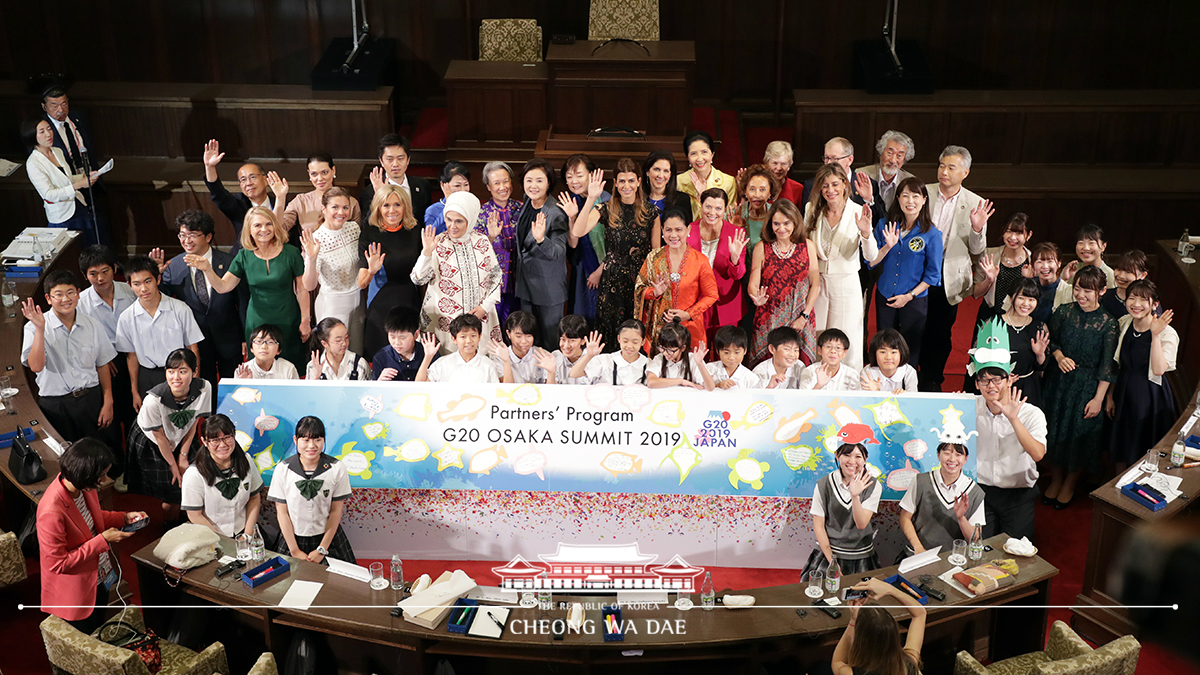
x=152 y=328
x=267 y=364
x=830 y=374
x=623 y=367
x=69 y=353
x=465 y=366
x=731 y=345
x=783 y=369
x=572 y=336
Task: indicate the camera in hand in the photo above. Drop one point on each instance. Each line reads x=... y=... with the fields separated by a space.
x=851 y=594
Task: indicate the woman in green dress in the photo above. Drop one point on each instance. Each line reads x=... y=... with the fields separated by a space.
x=275 y=274
x=1083 y=338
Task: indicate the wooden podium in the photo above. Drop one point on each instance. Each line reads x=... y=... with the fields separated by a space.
x=556 y=147
x=646 y=86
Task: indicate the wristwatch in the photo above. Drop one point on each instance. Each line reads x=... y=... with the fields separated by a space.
x=322 y=551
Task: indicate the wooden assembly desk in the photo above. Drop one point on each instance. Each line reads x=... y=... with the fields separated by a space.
x=366 y=638
x=1099 y=615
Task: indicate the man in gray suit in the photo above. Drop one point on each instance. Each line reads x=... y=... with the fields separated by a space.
x=895 y=150
x=541 y=260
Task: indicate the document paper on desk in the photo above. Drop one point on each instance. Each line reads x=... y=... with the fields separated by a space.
x=920 y=560
x=482 y=626
x=357 y=572
x=301 y=594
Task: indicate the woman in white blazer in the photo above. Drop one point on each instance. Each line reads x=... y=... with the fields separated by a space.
x=50 y=174
x=839 y=229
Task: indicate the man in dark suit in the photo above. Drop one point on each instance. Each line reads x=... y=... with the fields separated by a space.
x=221 y=315
x=73 y=136
x=863 y=189
x=541 y=261
x=253 y=182
x=393 y=168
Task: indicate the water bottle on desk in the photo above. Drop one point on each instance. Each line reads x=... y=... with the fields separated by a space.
x=708 y=595
x=39 y=251
x=833 y=577
x=257 y=548
x=975 y=546
x=397 y=573
x=544 y=596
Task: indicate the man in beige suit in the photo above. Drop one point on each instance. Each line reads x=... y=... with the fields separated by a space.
x=962 y=217
x=895 y=149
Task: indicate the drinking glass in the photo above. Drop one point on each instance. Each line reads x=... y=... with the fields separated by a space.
x=816 y=585
x=959 y=556
x=242 y=541
x=1150 y=462
x=7 y=392
x=378 y=581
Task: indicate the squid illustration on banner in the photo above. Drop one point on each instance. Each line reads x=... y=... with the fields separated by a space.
x=601 y=438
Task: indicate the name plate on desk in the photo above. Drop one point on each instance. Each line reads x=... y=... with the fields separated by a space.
x=598 y=438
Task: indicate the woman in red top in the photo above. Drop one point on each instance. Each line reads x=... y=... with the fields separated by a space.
x=724 y=245
x=784 y=282
x=675 y=281
x=74 y=534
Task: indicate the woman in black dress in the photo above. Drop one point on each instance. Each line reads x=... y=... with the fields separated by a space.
x=388 y=249
x=1141 y=404
x=628 y=229
x=1029 y=340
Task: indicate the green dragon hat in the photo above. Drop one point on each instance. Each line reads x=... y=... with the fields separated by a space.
x=991 y=348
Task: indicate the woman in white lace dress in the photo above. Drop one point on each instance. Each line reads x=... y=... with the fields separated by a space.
x=331 y=257
x=460 y=268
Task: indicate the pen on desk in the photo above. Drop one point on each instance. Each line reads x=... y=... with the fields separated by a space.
x=262 y=573
x=1189 y=465
x=910 y=590
x=495 y=620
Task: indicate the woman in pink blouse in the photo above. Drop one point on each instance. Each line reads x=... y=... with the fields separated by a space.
x=724 y=244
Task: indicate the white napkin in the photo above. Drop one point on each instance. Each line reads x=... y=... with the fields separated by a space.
x=420 y=584
x=735 y=601
x=1021 y=546
x=575 y=616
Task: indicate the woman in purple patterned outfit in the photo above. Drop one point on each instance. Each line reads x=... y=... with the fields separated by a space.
x=498 y=220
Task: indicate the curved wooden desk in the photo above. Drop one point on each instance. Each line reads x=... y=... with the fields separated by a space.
x=1099 y=615
x=769 y=632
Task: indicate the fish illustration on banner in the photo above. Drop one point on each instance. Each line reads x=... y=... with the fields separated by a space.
x=526 y=394
x=358 y=462
x=486 y=460
x=901 y=479
x=244 y=395
x=791 y=428
x=265 y=422
x=621 y=462
x=635 y=397
x=667 y=414
x=601 y=396
x=887 y=413
x=465 y=407
x=372 y=404
x=531 y=462
x=684 y=457
x=265 y=460
x=374 y=430
x=415 y=407
x=448 y=456
x=756 y=414
x=799 y=457
x=415 y=450
x=679 y=442
x=746 y=469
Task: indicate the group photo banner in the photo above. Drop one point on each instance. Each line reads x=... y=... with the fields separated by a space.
x=598 y=438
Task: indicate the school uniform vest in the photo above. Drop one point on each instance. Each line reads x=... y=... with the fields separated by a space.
x=934 y=519
x=847 y=541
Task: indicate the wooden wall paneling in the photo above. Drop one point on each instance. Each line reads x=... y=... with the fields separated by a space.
x=195 y=124
x=1185 y=141
x=75 y=30
x=571 y=107
x=132 y=29
x=1067 y=137
x=262 y=25
x=343 y=133
x=266 y=127
x=312 y=19
x=993 y=136
x=238 y=50
x=294 y=48
x=130 y=130
x=24 y=27
x=1134 y=137
x=212 y=40
x=497 y=110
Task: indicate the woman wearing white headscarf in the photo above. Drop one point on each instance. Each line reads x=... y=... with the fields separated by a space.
x=463 y=268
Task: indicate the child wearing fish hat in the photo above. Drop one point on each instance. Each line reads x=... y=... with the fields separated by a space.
x=1012 y=436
